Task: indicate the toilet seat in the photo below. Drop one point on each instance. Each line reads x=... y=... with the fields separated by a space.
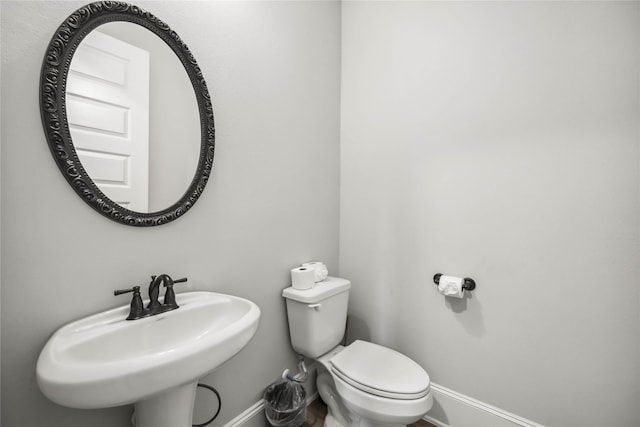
x=380 y=371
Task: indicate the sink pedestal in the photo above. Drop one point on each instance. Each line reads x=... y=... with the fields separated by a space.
x=173 y=408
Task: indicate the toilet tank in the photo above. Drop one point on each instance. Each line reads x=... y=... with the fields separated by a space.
x=317 y=316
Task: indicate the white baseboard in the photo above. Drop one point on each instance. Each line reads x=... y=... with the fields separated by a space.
x=450 y=409
x=245 y=418
x=453 y=409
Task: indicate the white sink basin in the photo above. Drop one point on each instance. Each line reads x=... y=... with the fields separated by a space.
x=104 y=360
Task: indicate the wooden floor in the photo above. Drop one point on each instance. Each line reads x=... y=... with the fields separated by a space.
x=318 y=410
x=315 y=414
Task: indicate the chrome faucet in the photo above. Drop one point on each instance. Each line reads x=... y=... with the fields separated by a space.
x=138 y=311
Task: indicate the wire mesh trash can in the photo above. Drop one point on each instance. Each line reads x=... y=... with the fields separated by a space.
x=285 y=404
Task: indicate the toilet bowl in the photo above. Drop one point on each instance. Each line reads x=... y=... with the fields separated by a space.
x=375 y=385
x=363 y=384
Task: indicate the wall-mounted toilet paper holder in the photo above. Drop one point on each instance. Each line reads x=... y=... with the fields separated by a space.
x=468 y=284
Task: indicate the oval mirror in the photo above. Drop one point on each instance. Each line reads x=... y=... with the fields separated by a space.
x=127 y=114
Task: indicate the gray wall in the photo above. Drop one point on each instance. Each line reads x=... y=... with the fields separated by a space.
x=500 y=141
x=273 y=72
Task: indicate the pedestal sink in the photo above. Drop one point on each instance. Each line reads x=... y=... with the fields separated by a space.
x=104 y=360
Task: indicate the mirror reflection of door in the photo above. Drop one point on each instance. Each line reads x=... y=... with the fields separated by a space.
x=103 y=101
x=108 y=114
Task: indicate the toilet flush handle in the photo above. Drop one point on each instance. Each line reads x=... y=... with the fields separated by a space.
x=315 y=306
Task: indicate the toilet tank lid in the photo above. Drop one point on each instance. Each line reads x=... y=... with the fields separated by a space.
x=324 y=289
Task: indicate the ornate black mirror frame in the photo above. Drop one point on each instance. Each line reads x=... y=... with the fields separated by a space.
x=53 y=83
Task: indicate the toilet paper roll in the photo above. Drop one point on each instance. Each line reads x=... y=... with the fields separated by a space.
x=320 y=269
x=303 y=277
x=451 y=286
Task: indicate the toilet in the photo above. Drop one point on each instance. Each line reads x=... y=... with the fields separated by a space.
x=363 y=384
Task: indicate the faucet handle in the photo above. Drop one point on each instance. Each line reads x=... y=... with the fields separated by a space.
x=170 y=295
x=126 y=291
x=137 y=308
